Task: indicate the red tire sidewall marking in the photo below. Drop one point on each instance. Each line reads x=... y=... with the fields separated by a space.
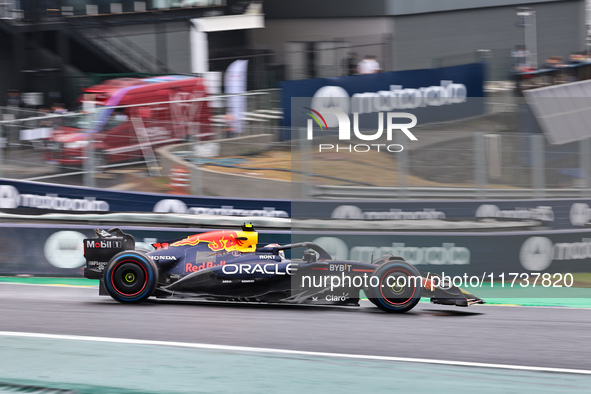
x=381 y=287
x=115 y=287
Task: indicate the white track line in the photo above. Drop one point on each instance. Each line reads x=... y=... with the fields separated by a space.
x=50 y=285
x=247 y=349
x=424 y=303
x=581 y=308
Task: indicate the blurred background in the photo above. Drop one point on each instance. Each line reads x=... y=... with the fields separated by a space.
x=176 y=109
x=59 y=56
x=193 y=107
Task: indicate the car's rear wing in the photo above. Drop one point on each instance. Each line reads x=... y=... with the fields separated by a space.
x=99 y=250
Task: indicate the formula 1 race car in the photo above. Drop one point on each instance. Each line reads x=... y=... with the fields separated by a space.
x=227 y=266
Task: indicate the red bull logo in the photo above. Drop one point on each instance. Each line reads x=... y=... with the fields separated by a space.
x=219 y=240
x=198 y=267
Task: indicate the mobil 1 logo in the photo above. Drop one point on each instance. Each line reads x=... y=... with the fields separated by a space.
x=103 y=244
x=102 y=249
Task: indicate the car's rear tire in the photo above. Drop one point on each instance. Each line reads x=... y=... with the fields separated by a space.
x=131 y=277
x=404 y=292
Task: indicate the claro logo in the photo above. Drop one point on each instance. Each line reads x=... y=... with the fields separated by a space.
x=11 y=198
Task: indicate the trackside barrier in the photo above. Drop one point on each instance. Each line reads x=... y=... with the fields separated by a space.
x=36 y=197
x=357 y=192
x=181 y=220
x=57 y=250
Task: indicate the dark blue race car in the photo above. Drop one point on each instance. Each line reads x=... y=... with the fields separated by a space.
x=226 y=265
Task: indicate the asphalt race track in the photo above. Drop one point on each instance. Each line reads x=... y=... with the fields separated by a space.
x=524 y=336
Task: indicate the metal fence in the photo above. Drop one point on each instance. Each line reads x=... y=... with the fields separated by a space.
x=451 y=164
x=495 y=156
x=38 y=144
x=503 y=154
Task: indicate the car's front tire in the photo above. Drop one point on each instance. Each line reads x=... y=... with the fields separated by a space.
x=131 y=277
x=399 y=287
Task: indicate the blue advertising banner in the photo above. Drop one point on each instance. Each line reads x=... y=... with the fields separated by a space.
x=36 y=195
x=554 y=213
x=465 y=253
x=57 y=250
x=433 y=95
